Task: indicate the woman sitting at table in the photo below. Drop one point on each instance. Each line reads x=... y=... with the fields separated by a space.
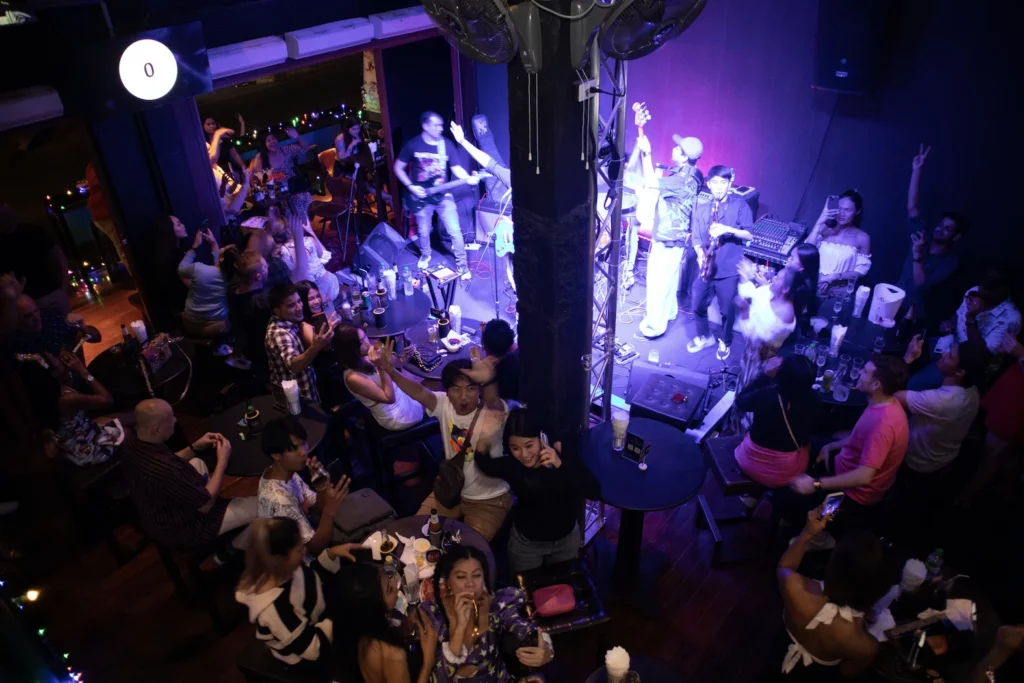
x=825 y=621
x=315 y=314
x=472 y=624
x=206 y=306
x=369 y=649
x=766 y=318
x=284 y=597
x=845 y=249
x=783 y=414
x=805 y=261
x=367 y=379
x=550 y=493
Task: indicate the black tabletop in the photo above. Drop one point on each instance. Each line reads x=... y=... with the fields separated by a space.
x=412 y=527
x=674 y=474
x=418 y=335
x=247 y=458
x=124 y=380
x=649 y=670
x=401 y=314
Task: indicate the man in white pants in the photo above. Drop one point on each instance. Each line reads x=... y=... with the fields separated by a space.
x=674 y=198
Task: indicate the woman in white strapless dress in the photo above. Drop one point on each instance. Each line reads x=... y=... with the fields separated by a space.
x=844 y=248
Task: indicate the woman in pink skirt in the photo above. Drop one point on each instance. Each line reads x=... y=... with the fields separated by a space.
x=784 y=409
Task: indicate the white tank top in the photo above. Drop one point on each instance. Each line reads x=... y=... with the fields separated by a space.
x=401 y=414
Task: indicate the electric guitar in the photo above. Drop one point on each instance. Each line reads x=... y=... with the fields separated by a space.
x=504 y=237
x=435 y=192
x=640 y=117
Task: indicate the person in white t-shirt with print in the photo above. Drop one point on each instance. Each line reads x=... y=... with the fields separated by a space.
x=468 y=394
x=941 y=418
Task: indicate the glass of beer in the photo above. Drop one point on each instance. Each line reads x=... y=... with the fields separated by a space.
x=432 y=334
x=474 y=353
x=620 y=424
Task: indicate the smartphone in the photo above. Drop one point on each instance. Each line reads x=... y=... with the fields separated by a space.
x=832 y=205
x=544 y=440
x=831 y=505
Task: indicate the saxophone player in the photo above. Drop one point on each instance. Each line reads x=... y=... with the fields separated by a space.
x=720 y=227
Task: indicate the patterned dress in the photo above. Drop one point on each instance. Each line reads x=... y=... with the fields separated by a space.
x=84 y=442
x=504 y=617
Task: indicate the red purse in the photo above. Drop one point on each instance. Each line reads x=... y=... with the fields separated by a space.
x=551 y=601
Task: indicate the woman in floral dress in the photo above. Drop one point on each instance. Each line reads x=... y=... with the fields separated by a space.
x=472 y=623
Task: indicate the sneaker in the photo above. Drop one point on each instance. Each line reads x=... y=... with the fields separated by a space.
x=466 y=275
x=473 y=246
x=723 y=350
x=750 y=501
x=423 y=262
x=698 y=344
x=821 y=541
x=223 y=350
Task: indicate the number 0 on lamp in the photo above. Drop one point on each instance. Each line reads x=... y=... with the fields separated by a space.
x=148 y=69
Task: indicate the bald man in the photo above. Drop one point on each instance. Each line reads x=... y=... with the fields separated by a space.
x=175 y=493
x=37 y=331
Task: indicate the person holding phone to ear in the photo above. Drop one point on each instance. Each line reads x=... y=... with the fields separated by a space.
x=549 y=489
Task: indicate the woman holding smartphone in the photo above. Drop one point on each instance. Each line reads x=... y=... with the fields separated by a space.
x=473 y=624
x=845 y=249
x=550 y=491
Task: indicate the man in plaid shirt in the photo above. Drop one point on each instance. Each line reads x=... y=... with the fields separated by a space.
x=287 y=358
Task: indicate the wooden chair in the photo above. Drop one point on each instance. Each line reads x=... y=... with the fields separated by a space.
x=719 y=455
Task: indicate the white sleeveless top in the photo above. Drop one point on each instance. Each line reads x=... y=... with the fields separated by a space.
x=842 y=258
x=401 y=414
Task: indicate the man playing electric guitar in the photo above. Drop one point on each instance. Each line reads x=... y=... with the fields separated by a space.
x=422 y=164
x=667 y=202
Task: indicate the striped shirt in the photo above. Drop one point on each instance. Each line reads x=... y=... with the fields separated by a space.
x=284 y=345
x=168 y=492
x=289 y=618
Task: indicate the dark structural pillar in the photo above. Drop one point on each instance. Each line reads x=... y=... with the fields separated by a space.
x=552 y=262
x=153 y=164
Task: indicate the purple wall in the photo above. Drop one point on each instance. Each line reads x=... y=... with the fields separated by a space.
x=739 y=80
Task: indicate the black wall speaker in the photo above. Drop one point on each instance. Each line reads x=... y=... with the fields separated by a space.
x=380 y=249
x=849 y=50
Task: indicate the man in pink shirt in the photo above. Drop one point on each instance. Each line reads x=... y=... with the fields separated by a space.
x=868 y=459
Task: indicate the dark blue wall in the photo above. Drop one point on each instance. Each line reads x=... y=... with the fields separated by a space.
x=492 y=101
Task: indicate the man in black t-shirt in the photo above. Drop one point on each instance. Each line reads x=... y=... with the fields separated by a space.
x=720 y=227
x=29 y=252
x=423 y=163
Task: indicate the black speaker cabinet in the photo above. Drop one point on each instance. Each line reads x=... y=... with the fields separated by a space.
x=850 y=36
x=380 y=249
x=667 y=399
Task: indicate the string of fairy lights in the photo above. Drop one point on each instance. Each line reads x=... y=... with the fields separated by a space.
x=24 y=602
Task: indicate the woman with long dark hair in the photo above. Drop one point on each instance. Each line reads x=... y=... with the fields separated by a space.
x=280 y=160
x=766 y=318
x=472 y=624
x=805 y=261
x=550 y=493
x=844 y=248
x=368 y=648
x=391 y=407
x=783 y=414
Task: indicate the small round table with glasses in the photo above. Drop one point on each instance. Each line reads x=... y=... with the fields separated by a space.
x=399 y=315
x=419 y=336
x=247 y=457
x=123 y=378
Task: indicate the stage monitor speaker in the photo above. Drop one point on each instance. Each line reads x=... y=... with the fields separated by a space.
x=669 y=399
x=380 y=249
x=848 y=53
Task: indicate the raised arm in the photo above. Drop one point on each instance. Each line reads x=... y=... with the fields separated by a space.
x=187 y=267
x=913 y=206
x=414 y=390
x=215 y=141
x=481 y=157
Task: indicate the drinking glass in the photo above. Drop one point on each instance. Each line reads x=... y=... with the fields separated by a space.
x=620 y=423
x=653 y=356
x=432 y=334
x=854 y=375
x=858 y=363
x=820 y=362
x=879 y=343
x=851 y=286
x=799 y=349
x=474 y=353
x=837 y=307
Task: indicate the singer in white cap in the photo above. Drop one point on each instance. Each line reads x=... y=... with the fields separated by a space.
x=675 y=198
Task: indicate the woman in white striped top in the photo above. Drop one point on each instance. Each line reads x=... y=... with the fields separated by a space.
x=285 y=598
